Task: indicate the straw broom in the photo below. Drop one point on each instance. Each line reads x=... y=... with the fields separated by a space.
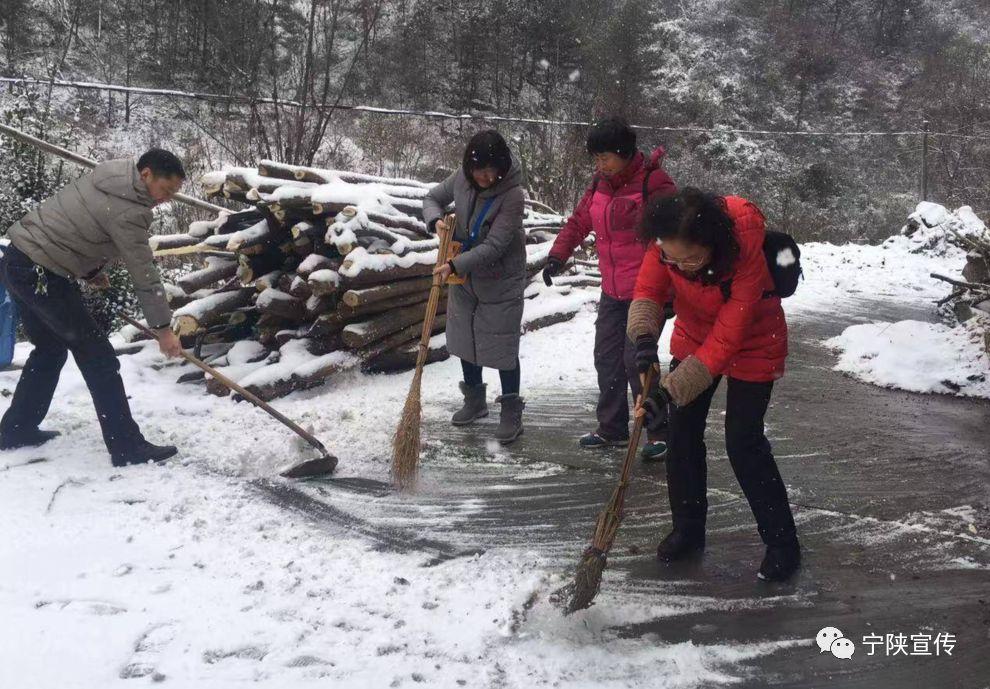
x=406 y=443
x=588 y=578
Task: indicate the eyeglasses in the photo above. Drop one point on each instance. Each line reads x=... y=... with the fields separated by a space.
x=690 y=265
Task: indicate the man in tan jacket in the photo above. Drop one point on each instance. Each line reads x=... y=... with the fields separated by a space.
x=100 y=217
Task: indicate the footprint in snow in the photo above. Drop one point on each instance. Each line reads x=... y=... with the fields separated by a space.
x=307 y=661
x=90 y=607
x=147 y=650
x=244 y=652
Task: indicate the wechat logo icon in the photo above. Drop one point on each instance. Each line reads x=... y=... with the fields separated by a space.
x=831 y=639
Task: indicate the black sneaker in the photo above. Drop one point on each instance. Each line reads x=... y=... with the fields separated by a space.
x=780 y=562
x=596 y=440
x=679 y=544
x=26 y=438
x=653 y=451
x=143 y=453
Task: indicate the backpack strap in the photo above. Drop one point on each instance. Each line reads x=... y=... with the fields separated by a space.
x=726 y=287
x=476 y=228
x=646 y=187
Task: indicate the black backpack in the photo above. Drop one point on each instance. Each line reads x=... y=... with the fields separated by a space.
x=783 y=256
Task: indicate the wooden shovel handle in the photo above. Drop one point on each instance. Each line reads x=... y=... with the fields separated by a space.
x=243 y=392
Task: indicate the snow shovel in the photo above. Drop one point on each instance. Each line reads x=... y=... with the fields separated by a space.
x=310 y=468
x=580 y=594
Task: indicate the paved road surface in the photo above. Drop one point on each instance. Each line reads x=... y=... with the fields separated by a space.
x=886 y=486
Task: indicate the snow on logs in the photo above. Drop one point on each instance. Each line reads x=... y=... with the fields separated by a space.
x=325 y=271
x=199 y=314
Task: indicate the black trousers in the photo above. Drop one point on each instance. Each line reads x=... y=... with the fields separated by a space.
x=749 y=454
x=615 y=363
x=57 y=323
x=510 y=379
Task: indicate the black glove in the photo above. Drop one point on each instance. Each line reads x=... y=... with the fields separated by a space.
x=655 y=405
x=552 y=269
x=646 y=353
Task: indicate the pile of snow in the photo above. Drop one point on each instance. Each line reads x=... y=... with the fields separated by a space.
x=916 y=356
x=933 y=229
x=912 y=355
x=847 y=279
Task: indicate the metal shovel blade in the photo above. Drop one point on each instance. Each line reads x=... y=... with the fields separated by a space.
x=311 y=468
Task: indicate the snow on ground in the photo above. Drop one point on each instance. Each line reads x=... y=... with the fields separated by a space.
x=184 y=574
x=181 y=573
x=916 y=356
x=910 y=355
x=837 y=278
x=934 y=229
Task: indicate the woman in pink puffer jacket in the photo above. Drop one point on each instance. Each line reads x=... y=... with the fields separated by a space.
x=612 y=206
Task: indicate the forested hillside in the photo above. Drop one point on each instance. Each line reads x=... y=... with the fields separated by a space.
x=703 y=68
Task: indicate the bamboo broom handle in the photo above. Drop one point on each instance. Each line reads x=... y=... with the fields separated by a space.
x=435 y=289
x=637 y=430
x=617 y=500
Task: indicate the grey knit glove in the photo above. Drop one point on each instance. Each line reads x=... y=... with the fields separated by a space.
x=687 y=381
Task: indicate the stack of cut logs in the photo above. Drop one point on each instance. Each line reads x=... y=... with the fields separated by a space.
x=325 y=270
x=970 y=297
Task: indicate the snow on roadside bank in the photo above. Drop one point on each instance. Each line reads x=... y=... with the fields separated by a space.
x=838 y=278
x=916 y=356
x=913 y=355
x=934 y=229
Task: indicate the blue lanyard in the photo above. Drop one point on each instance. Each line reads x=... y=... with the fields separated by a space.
x=476 y=228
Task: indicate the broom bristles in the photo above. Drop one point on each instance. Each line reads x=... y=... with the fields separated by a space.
x=587 y=581
x=580 y=594
x=406 y=443
x=588 y=578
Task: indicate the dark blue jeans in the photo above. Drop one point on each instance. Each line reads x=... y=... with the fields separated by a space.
x=57 y=323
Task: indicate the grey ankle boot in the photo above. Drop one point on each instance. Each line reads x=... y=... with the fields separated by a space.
x=475 y=406
x=510 y=421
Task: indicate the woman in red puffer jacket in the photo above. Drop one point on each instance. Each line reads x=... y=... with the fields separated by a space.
x=612 y=206
x=708 y=250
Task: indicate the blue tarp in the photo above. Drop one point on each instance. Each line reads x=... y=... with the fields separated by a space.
x=8 y=325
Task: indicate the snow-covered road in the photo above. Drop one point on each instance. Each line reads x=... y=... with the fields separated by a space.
x=206 y=572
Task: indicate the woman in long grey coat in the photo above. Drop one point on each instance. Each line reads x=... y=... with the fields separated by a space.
x=484 y=313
